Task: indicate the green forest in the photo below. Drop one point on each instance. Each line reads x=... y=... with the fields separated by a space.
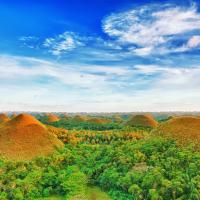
x=126 y=163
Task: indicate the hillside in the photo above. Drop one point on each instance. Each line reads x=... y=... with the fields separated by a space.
x=142 y=121
x=4 y=118
x=24 y=137
x=80 y=118
x=185 y=129
x=98 y=120
x=53 y=118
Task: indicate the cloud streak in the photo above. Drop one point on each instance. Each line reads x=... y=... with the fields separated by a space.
x=153 y=29
x=63 y=43
x=96 y=87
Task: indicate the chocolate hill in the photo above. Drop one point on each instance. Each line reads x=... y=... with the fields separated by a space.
x=53 y=118
x=80 y=118
x=24 y=138
x=98 y=120
x=142 y=121
x=184 y=130
x=4 y=118
x=117 y=119
x=65 y=116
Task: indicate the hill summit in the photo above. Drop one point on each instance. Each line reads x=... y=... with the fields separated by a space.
x=23 y=120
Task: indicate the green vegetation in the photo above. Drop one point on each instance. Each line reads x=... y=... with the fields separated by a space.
x=90 y=193
x=119 y=164
x=152 y=168
x=72 y=124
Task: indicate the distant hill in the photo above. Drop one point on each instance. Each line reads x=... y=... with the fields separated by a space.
x=142 y=121
x=98 y=120
x=4 y=118
x=80 y=118
x=53 y=118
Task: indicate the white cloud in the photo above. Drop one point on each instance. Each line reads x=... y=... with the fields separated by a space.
x=115 y=70
x=79 y=76
x=25 y=67
x=194 y=41
x=96 y=87
x=153 y=29
x=142 y=51
x=172 y=78
x=62 y=43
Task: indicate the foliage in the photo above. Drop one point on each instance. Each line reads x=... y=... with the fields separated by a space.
x=100 y=137
x=72 y=124
x=126 y=162
x=128 y=169
x=41 y=178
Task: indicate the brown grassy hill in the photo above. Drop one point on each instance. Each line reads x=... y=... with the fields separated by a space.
x=80 y=118
x=53 y=118
x=65 y=116
x=142 y=121
x=24 y=138
x=4 y=118
x=56 y=131
x=185 y=129
x=98 y=120
x=117 y=119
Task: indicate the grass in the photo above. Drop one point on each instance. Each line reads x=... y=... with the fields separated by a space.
x=53 y=198
x=92 y=193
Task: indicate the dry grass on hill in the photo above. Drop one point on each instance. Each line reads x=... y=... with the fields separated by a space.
x=117 y=119
x=98 y=120
x=80 y=118
x=184 y=130
x=13 y=115
x=53 y=118
x=24 y=138
x=142 y=121
x=4 y=118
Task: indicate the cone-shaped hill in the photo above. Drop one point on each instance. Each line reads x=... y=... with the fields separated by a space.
x=24 y=120
x=65 y=116
x=184 y=130
x=24 y=138
x=80 y=118
x=53 y=118
x=98 y=120
x=4 y=118
x=142 y=121
x=117 y=119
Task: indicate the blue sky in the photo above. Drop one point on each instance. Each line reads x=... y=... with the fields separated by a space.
x=100 y=56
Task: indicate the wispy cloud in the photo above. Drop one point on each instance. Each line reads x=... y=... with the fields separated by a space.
x=194 y=41
x=173 y=78
x=23 y=67
x=29 y=41
x=62 y=43
x=66 y=87
x=154 y=29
